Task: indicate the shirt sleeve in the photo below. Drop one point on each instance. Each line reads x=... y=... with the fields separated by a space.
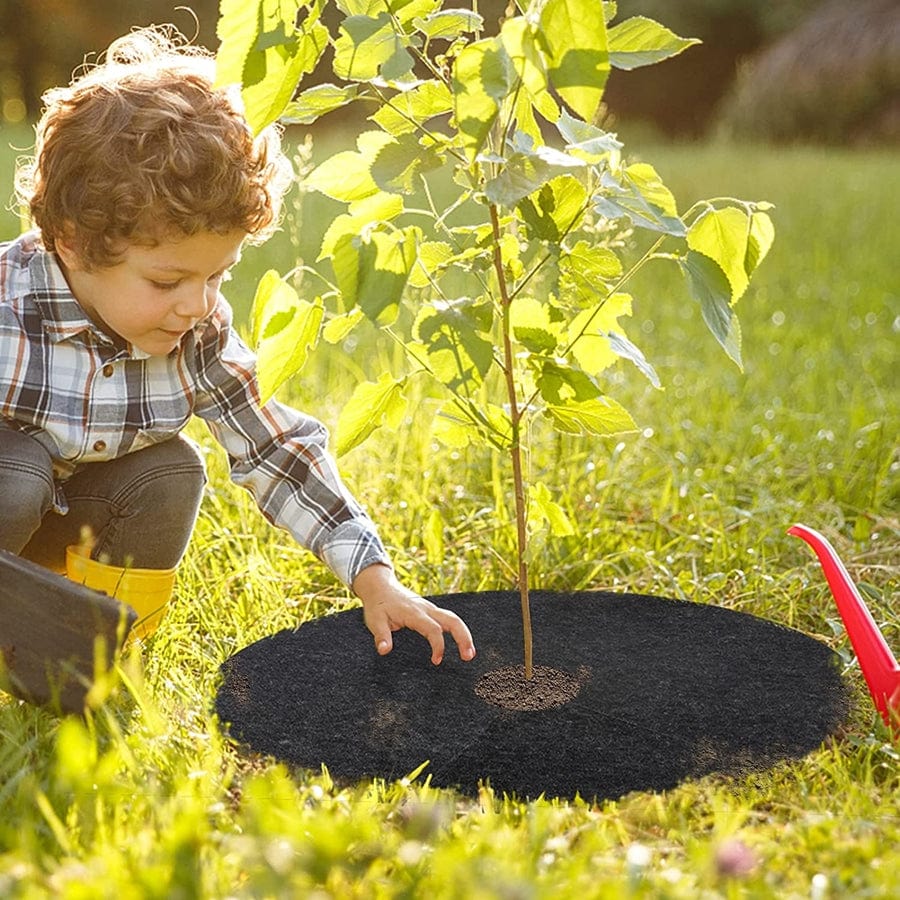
x=280 y=455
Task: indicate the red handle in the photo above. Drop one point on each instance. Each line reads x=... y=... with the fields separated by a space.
x=878 y=665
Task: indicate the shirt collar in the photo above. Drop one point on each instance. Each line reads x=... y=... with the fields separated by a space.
x=63 y=316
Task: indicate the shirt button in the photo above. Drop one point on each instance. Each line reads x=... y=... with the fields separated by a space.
x=99 y=446
x=108 y=371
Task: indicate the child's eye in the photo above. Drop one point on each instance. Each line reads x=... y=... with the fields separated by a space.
x=165 y=285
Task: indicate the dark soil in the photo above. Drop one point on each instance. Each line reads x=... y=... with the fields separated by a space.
x=547 y=688
x=660 y=691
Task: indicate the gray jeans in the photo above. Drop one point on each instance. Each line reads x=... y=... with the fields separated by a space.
x=141 y=507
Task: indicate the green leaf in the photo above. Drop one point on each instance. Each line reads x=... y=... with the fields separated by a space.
x=601 y=416
x=409 y=109
x=709 y=284
x=455 y=335
x=621 y=346
x=639 y=194
x=398 y=163
x=340 y=326
x=578 y=59
x=457 y=425
x=449 y=24
x=433 y=537
x=271 y=75
x=347 y=175
x=237 y=29
x=642 y=42
x=589 y=333
x=759 y=241
x=584 y=270
x=559 y=382
x=532 y=327
x=525 y=171
x=362 y=216
x=433 y=256
x=724 y=235
x=520 y=39
x=372 y=270
x=285 y=328
x=587 y=141
x=371 y=405
x=316 y=101
x=542 y=508
x=369 y=45
x=483 y=76
x=453 y=428
x=554 y=210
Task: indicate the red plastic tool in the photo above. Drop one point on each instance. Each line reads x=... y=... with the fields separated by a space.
x=879 y=668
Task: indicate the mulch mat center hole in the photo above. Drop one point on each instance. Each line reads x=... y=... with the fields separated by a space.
x=548 y=688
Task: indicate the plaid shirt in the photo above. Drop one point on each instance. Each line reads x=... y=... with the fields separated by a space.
x=87 y=397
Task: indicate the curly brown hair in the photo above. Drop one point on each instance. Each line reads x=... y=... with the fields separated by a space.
x=145 y=146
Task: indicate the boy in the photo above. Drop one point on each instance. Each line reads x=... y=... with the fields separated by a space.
x=145 y=186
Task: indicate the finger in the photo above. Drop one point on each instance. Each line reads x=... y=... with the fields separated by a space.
x=379 y=625
x=454 y=624
x=430 y=628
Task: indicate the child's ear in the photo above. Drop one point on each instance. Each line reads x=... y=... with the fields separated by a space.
x=66 y=246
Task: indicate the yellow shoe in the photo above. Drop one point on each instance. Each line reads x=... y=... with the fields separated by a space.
x=147 y=591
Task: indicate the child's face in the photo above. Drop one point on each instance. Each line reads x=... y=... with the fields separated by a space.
x=154 y=295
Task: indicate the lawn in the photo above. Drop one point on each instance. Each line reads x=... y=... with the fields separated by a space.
x=145 y=798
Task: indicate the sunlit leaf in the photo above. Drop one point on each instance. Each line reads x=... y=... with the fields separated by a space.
x=371 y=405
x=642 y=42
x=237 y=29
x=724 y=235
x=285 y=328
x=271 y=76
x=449 y=23
x=372 y=270
x=601 y=416
x=621 y=346
x=709 y=284
x=526 y=171
x=519 y=36
x=587 y=141
x=559 y=382
x=340 y=326
x=316 y=101
x=578 y=59
x=759 y=241
x=456 y=337
x=589 y=333
x=583 y=272
x=551 y=212
x=542 y=508
x=409 y=109
x=433 y=255
x=639 y=194
x=364 y=44
x=532 y=327
x=398 y=163
x=347 y=175
x=483 y=76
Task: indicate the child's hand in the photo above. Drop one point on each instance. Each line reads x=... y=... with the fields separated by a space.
x=388 y=607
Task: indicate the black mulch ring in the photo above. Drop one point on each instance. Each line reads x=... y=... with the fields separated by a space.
x=669 y=690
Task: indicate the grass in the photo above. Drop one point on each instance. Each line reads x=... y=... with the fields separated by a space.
x=145 y=799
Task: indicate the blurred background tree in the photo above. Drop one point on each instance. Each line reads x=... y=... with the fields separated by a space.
x=765 y=70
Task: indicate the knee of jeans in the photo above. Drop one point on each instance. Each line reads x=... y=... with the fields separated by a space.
x=189 y=466
x=26 y=496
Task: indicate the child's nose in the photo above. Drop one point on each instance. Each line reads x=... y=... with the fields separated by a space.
x=193 y=304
